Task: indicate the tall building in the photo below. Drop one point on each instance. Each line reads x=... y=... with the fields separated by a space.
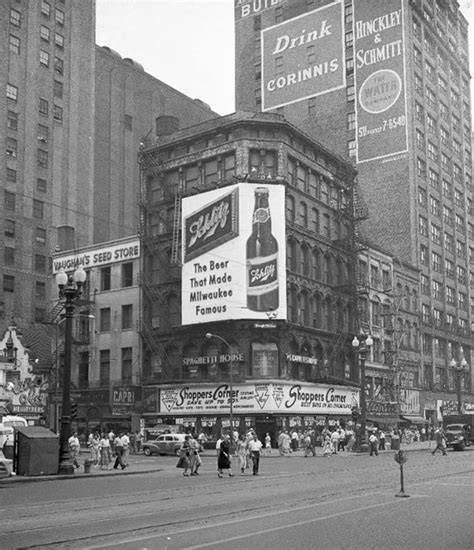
x=385 y=84
x=72 y=117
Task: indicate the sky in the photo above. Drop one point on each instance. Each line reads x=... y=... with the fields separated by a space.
x=189 y=44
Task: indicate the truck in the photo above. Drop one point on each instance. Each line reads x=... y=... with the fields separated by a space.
x=459 y=430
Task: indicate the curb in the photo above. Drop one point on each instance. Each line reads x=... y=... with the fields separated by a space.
x=27 y=479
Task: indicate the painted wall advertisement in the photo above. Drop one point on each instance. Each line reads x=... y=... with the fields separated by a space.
x=262 y=397
x=303 y=57
x=379 y=69
x=233 y=254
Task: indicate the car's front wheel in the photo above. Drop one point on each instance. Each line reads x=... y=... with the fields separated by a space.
x=146 y=451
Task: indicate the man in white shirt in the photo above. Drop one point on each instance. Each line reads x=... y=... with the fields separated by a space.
x=125 y=449
x=74 y=448
x=254 y=446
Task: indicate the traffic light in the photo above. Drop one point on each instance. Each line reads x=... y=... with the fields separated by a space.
x=73 y=409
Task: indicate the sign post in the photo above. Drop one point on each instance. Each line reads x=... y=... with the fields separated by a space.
x=401 y=458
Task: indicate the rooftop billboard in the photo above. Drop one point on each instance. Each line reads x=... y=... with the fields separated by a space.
x=303 y=57
x=233 y=256
x=379 y=70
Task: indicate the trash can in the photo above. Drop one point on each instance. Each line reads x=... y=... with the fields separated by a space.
x=36 y=451
x=395 y=443
x=87 y=466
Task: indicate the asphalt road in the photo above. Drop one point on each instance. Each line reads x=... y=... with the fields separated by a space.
x=341 y=502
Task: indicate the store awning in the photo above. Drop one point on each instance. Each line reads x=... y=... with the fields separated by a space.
x=414 y=419
x=384 y=419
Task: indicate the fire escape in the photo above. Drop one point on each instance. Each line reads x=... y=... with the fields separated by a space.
x=160 y=219
x=355 y=289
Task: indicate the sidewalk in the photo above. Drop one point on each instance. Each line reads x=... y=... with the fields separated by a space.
x=140 y=465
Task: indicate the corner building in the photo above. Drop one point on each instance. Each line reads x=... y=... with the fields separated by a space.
x=288 y=363
x=412 y=148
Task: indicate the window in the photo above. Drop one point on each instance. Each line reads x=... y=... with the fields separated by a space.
x=45 y=8
x=9 y=228
x=15 y=18
x=430 y=97
x=58 y=65
x=449 y=243
x=58 y=89
x=127 y=317
x=460 y=249
x=437 y=290
x=12 y=92
x=40 y=290
x=11 y=175
x=8 y=283
x=44 y=58
x=59 y=40
x=105 y=319
x=435 y=234
x=40 y=263
x=457 y=173
x=315 y=220
x=418 y=84
x=43 y=107
x=431 y=123
x=445 y=162
x=126 y=366
x=450 y=296
x=443 y=85
x=421 y=168
x=84 y=370
x=434 y=206
x=436 y=261
x=352 y=147
x=59 y=17
x=9 y=256
x=12 y=120
x=432 y=151
x=41 y=185
x=43 y=133
x=462 y=301
x=303 y=214
x=104 y=375
x=446 y=189
x=9 y=201
x=38 y=209
x=127 y=274
x=12 y=147
x=420 y=139
x=105 y=278
x=14 y=44
x=40 y=235
x=458 y=198
x=42 y=158
x=44 y=33
x=423 y=226
x=425 y=285
x=461 y=275
x=350 y=92
x=459 y=223
x=434 y=179
x=57 y=113
x=449 y=268
x=417 y=58
x=419 y=112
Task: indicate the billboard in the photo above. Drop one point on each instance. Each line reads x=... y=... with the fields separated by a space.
x=379 y=70
x=234 y=254
x=246 y=8
x=303 y=57
x=261 y=397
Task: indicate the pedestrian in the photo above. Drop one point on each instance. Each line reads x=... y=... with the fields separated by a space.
x=118 y=450
x=440 y=438
x=268 y=444
x=133 y=442
x=286 y=443
x=341 y=442
x=255 y=446
x=373 y=443
x=111 y=437
x=327 y=446
x=218 y=444
x=381 y=440
x=74 y=449
x=242 y=453
x=294 y=441
x=139 y=439
x=105 y=454
x=350 y=439
x=93 y=443
x=224 y=460
x=125 y=449
x=334 y=441
x=195 y=457
x=310 y=443
x=184 y=460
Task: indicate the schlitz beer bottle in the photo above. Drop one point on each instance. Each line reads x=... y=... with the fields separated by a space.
x=262 y=258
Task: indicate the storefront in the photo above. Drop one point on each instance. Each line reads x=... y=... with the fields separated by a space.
x=267 y=406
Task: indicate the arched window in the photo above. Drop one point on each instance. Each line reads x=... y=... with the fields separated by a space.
x=407 y=298
x=316 y=265
x=303 y=214
x=291 y=255
x=290 y=208
x=316 y=311
x=304 y=260
x=292 y=305
x=327 y=269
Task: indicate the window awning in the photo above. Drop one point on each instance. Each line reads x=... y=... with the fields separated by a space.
x=414 y=419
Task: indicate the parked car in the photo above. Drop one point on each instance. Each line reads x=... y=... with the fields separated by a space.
x=459 y=429
x=165 y=444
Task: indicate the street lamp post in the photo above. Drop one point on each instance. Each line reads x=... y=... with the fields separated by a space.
x=210 y=335
x=362 y=346
x=459 y=369
x=70 y=288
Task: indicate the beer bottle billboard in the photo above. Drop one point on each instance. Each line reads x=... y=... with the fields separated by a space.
x=262 y=258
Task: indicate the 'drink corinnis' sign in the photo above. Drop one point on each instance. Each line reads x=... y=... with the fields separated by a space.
x=303 y=57
x=268 y=397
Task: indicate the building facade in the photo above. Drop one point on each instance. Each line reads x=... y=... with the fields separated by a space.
x=389 y=89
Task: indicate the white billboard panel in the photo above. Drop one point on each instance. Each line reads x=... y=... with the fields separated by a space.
x=234 y=254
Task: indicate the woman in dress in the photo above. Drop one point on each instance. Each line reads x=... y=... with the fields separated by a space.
x=242 y=453
x=223 y=459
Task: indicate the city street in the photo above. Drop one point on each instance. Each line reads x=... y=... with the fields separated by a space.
x=343 y=501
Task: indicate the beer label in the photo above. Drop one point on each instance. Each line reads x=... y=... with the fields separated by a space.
x=262 y=275
x=261 y=215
